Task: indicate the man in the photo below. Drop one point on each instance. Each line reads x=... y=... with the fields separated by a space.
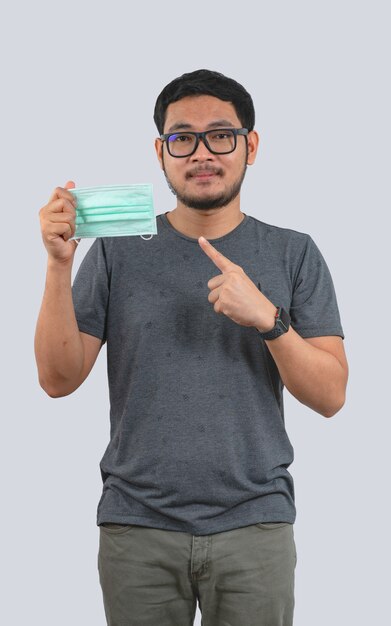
x=202 y=336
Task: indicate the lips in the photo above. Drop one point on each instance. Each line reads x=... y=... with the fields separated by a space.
x=203 y=174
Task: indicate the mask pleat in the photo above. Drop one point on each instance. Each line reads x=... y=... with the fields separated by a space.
x=111 y=217
x=114 y=210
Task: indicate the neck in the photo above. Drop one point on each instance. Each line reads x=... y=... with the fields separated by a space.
x=211 y=224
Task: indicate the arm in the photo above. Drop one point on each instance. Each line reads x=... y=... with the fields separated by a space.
x=64 y=355
x=314 y=370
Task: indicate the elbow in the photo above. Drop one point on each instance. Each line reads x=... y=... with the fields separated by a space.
x=55 y=393
x=52 y=391
x=332 y=410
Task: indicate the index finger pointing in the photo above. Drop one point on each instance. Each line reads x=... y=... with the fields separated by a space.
x=218 y=259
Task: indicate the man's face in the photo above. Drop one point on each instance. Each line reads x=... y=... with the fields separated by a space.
x=204 y=180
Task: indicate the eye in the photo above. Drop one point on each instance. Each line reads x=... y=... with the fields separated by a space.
x=221 y=135
x=180 y=138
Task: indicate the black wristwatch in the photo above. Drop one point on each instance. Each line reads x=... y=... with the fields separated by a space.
x=281 y=326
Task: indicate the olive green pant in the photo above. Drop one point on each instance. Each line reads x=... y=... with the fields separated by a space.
x=240 y=577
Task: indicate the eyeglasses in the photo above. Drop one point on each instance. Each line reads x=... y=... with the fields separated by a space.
x=218 y=141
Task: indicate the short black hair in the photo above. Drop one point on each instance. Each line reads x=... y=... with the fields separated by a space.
x=206 y=82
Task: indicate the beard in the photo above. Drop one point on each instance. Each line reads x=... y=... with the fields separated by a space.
x=215 y=201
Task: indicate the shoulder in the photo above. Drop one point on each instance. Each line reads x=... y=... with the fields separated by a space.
x=279 y=232
x=289 y=242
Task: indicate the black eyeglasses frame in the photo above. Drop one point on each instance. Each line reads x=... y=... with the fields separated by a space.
x=198 y=136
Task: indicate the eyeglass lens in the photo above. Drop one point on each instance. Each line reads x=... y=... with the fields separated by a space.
x=182 y=144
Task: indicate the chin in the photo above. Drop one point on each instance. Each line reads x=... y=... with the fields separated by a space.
x=204 y=204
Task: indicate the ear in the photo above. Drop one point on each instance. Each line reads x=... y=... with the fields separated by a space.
x=159 y=151
x=252 y=142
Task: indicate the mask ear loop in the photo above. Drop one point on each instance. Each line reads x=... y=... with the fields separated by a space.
x=146 y=238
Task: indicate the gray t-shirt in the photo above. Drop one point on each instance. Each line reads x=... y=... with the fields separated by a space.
x=197 y=439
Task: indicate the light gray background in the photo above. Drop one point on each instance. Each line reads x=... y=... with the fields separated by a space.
x=79 y=83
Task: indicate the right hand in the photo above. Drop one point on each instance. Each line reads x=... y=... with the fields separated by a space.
x=58 y=224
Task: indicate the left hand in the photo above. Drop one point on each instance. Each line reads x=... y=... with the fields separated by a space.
x=234 y=293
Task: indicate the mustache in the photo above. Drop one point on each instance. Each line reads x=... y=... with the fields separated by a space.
x=202 y=170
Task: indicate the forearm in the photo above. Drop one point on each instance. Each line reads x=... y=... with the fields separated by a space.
x=315 y=377
x=58 y=346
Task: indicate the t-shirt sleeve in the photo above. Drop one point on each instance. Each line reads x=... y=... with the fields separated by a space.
x=314 y=309
x=90 y=291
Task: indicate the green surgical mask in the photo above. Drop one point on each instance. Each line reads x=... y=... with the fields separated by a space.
x=114 y=211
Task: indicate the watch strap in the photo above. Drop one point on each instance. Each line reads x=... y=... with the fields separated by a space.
x=282 y=323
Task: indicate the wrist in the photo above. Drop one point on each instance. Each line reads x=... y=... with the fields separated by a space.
x=282 y=322
x=268 y=323
x=55 y=265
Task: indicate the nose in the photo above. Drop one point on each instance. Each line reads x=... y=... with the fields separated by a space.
x=202 y=153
